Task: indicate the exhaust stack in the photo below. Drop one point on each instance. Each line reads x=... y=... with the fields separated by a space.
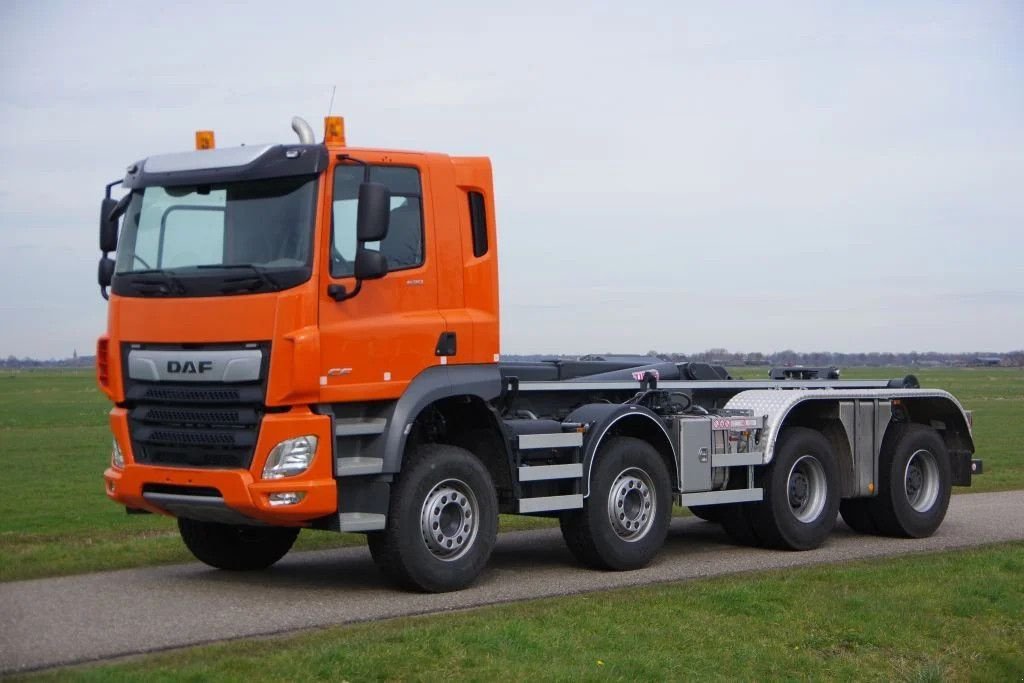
x=303 y=130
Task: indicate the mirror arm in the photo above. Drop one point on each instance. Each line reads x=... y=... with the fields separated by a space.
x=366 y=166
x=110 y=186
x=339 y=292
x=122 y=206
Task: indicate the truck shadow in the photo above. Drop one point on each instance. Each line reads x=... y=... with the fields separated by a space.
x=518 y=552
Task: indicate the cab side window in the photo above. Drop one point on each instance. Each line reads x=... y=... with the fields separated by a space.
x=403 y=246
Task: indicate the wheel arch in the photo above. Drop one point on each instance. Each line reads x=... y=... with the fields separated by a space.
x=610 y=420
x=461 y=393
x=942 y=414
x=823 y=417
x=820 y=409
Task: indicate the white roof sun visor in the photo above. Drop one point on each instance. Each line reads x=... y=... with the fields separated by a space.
x=227 y=164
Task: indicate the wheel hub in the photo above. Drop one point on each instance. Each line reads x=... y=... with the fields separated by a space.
x=631 y=504
x=798 y=489
x=449 y=519
x=807 y=488
x=921 y=480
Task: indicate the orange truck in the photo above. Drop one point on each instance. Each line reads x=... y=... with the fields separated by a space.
x=306 y=336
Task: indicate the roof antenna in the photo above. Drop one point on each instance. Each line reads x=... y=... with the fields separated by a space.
x=330 y=107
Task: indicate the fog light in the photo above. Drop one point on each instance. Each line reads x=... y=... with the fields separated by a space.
x=116 y=456
x=290 y=457
x=289 y=498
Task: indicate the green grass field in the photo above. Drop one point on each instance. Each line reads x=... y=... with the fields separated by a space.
x=954 y=616
x=55 y=518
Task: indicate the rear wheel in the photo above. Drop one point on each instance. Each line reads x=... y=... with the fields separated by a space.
x=236 y=548
x=801 y=492
x=915 y=482
x=856 y=513
x=736 y=522
x=442 y=523
x=625 y=518
x=709 y=513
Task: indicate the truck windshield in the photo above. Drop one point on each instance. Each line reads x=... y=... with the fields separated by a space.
x=226 y=238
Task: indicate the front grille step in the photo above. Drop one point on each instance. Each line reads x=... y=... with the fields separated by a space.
x=148 y=434
x=181 y=490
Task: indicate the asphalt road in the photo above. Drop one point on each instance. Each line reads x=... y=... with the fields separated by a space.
x=51 y=622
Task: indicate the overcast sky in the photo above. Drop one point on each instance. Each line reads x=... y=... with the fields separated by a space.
x=669 y=176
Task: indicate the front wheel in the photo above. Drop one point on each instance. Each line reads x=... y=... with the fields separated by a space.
x=236 y=547
x=442 y=523
x=801 y=492
x=625 y=519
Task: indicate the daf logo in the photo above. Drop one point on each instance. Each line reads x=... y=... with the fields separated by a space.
x=189 y=367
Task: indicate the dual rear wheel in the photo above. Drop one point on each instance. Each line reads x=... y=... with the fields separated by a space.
x=802 y=492
x=801 y=496
x=915 y=483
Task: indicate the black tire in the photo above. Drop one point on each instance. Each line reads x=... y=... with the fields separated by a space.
x=447 y=490
x=915 y=482
x=236 y=548
x=856 y=513
x=630 y=478
x=709 y=513
x=737 y=526
x=801 y=492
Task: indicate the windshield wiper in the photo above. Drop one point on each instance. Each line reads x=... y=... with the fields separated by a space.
x=168 y=284
x=251 y=283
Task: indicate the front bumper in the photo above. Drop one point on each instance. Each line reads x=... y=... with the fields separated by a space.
x=243 y=494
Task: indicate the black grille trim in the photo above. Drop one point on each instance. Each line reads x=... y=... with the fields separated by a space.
x=191 y=394
x=228 y=416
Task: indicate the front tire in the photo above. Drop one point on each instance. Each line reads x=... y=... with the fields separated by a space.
x=915 y=485
x=625 y=518
x=801 y=493
x=442 y=523
x=236 y=548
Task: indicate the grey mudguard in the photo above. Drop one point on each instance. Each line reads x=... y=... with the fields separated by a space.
x=600 y=418
x=433 y=384
x=776 y=405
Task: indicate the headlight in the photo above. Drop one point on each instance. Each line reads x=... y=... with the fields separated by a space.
x=290 y=457
x=116 y=456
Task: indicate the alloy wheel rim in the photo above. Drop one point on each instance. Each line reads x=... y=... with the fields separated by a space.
x=449 y=519
x=921 y=480
x=806 y=488
x=631 y=504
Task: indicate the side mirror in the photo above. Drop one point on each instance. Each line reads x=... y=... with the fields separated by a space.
x=108 y=225
x=373 y=212
x=105 y=274
x=370 y=264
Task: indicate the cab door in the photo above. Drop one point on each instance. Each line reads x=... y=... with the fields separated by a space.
x=374 y=343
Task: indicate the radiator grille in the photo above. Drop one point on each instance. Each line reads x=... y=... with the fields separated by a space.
x=199 y=426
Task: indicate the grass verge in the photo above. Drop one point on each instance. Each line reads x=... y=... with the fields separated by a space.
x=954 y=616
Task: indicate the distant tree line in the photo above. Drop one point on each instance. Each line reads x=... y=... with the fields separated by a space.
x=824 y=358
x=717 y=356
x=12 y=362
